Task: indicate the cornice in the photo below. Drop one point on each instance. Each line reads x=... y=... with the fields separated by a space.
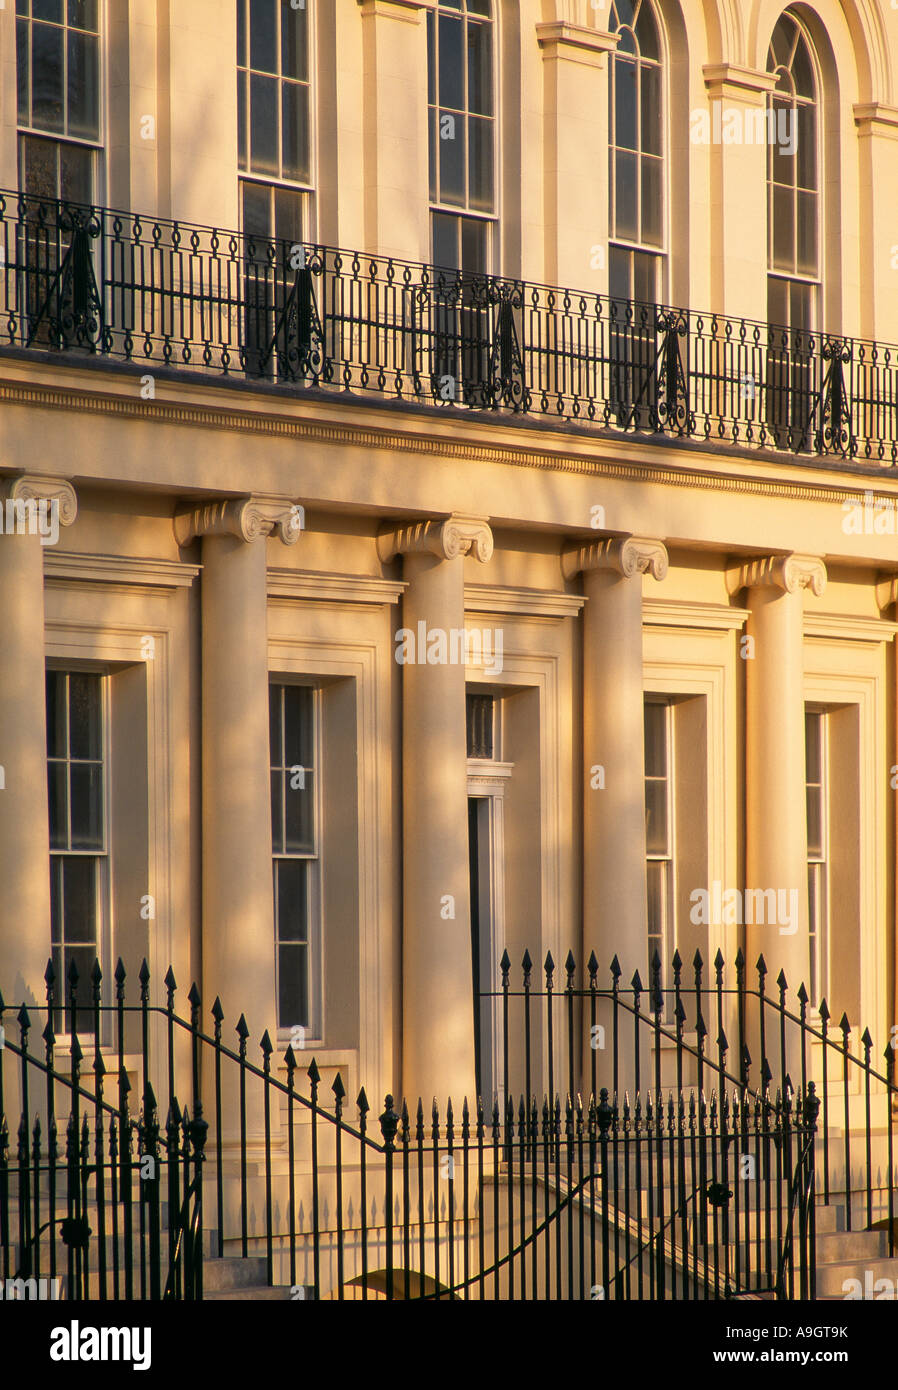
x=538 y=603
x=447 y=540
x=842 y=627
x=790 y=573
x=514 y=455
x=37 y=487
x=623 y=555
x=574 y=42
x=734 y=80
x=66 y=565
x=719 y=617
x=332 y=588
x=246 y=518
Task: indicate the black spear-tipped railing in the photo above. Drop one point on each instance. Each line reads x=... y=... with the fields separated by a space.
x=616 y=1186
x=168 y=295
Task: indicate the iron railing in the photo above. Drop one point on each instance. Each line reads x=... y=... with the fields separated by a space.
x=616 y=1196
x=173 y=295
x=697 y=1032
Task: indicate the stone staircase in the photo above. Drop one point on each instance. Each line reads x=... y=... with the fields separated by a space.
x=231 y=1280
x=845 y=1255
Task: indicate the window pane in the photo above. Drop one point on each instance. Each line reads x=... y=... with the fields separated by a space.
x=805 y=136
x=46 y=77
x=299 y=791
x=241 y=119
x=257 y=213
x=807 y=233
x=647 y=32
x=56 y=864
x=645 y=285
x=783 y=228
x=432 y=123
x=294 y=42
x=802 y=71
x=293 y=1007
x=277 y=812
x=655 y=740
x=650 y=110
x=782 y=155
x=288 y=215
x=651 y=201
x=298 y=717
x=431 y=60
x=452 y=158
x=656 y=841
x=86 y=783
x=262 y=35
x=84 y=716
x=83 y=14
x=619 y=273
x=56 y=714
x=445 y=240
x=241 y=33
x=480 y=725
x=625 y=223
x=480 y=69
x=263 y=125
x=293 y=901
x=22 y=39
x=39 y=162
x=777 y=306
x=815 y=822
x=480 y=155
x=47 y=9
x=625 y=105
x=79 y=879
x=452 y=69
x=296 y=132
x=655 y=880
x=57 y=803
x=76 y=173
x=812 y=746
x=474 y=246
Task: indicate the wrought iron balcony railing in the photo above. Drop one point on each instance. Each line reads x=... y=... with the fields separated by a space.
x=154 y=292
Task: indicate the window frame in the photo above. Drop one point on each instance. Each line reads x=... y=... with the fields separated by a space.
x=819 y=865
x=436 y=205
x=660 y=252
x=245 y=171
x=797 y=277
x=669 y=858
x=313 y=1031
x=105 y=857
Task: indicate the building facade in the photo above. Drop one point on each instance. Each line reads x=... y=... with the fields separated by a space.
x=370 y=611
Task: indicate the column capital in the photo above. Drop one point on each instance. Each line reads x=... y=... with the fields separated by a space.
x=247 y=518
x=457 y=535
x=886 y=589
x=35 y=487
x=738 y=83
x=623 y=555
x=790 y=573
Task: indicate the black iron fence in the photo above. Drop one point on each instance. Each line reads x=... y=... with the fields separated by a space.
x=170 y=294
x=631 y=1193
x=708 y=1030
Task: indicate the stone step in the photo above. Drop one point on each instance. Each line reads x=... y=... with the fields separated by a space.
x=835 y=1247
x=232 y=1274
x=255 y=1293
x=831 y=1278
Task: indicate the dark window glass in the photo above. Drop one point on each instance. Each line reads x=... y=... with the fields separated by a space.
x=452 y=37
x=22 y=45
x=263 y=124
x=46 y=77
x=50 y=10
x=84 y=727
x=295 y=132
x=480 y=171
x=294 y=43
x=480 y=70
x=83 y=15
x=263 y=36
x=480 y=720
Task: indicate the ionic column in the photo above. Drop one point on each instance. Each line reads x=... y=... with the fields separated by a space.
x=614 y=896
x=437 y=977
x=776 y=843
x=31 y=505
x=238 y=913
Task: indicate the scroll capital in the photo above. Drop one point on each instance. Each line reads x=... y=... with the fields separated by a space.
x=246 y=518
x=622 y=555
x=36 y=488
x=447 y=540
x=790 y=573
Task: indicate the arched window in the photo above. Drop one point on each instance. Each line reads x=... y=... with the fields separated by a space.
x=636 y=149
x=461 y=98
x=793 y=234
x=793 y=180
